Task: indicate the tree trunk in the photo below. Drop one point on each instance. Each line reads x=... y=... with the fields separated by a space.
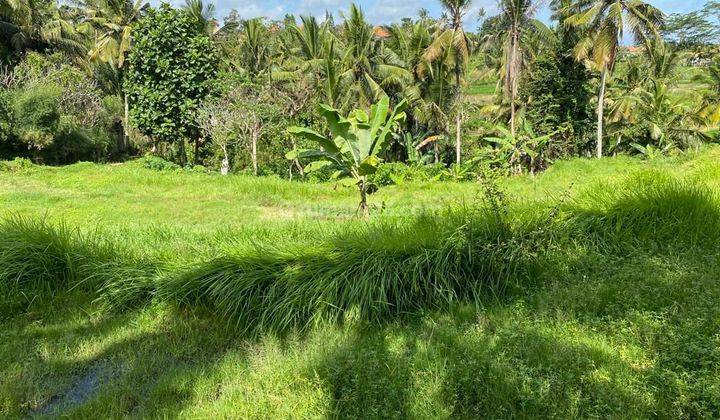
x=458 y=117
x=182 y=156
x=363 y=200
x=253 y=152
x=299 y=167
x=225 y=168
x=457 y=138
x=126 y=126
x=601 y=111
x=512 y=76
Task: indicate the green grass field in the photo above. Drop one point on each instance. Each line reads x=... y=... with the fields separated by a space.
x=590 y=290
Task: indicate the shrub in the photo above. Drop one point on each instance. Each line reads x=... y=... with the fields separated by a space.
x=396 y=173
x=16 y=165
x=36 y=113
x=74 y=143
x=5 y=117
x=159 y=164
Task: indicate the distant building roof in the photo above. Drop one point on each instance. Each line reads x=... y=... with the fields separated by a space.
x=381 y=32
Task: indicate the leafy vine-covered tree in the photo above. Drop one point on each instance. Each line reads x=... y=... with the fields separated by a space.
x=170 y=71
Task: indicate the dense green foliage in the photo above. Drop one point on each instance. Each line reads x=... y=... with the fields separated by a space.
x=159 y=64
x=170 y=72
x=558 y=93
x=37 y=115
x=55 y=113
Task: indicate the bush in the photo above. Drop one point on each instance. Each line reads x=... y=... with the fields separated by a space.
x=16 y=165
x=199 y=169
x=397 y=173
x=75 y=143
x=36 y=114
x=5 y=117
x=159 y=164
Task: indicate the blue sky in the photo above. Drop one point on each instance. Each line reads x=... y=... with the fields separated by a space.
x=386 y=11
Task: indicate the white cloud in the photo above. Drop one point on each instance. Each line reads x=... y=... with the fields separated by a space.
x=389 y=11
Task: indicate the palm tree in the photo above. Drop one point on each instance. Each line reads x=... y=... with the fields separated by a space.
x=38 y=25
x=113 y=21
x=305 y=48
x=456 y=41
x=606 y=21
x=516 y=20
x=653 y=116
x=255 y=52
x=360 y=58
x=203 y=14
x=709 y=106
x=663 y=58
x=310 y=39
x=427 y=84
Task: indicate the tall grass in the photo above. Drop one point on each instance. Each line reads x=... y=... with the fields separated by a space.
x=648 y=208
x=370 y=271
x=38 y=259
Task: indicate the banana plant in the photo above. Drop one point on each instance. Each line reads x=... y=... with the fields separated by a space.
x=523 y=148
x=354 y=145
x=413 y=147
x=651 y=152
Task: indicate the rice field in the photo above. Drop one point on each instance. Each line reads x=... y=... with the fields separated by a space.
x=587 y=291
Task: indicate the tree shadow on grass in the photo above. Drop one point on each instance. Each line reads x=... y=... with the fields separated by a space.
x=625 y=338
x=451 y=370
x=138 y=363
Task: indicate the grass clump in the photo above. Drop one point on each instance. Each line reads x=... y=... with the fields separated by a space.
x=39 y=260
x=651 y=208
x=372 y=272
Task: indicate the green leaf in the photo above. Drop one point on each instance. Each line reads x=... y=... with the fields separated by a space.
x=369 y=166
x=318 y=138
x=378 y=115
x=317 y=165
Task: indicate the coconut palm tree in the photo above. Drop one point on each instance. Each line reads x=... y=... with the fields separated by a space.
x=113 y=21
x=517 y=24
x=304 y=49
x=663 y=58
x=709 y=105
x=203 y=14
x=455 y=41
x=360 y=58
x=255 y=51
x=428 y=85
x=38 y=25
x=309 y=41
x=605 y=22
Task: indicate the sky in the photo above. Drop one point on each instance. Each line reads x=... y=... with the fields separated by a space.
x=388 y=11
